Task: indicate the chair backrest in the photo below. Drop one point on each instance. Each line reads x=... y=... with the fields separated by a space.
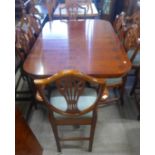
x=71 y=85
x=25 y=25
x=120 y=25
x=35 y=24
x=22 y=47
x=119 y=22
x=132 y=44
x=136 y=17
x=131 y=37
x=35 y=12
x=74 y=10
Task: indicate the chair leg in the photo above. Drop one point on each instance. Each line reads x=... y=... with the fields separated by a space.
x=122 y=90
x=135 y=82
x=33 y=88
x=55 y=131
x=92 y=131
x=122 y=98
x=133 y=88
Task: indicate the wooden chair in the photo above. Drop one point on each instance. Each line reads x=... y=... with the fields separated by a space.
x=73 y=10
x=71 y=102
x=135 y=17
x=25 y=25
x=22 y=44
x=21 y=52
x=35 y=12
x=132 y=45
x=38 y=12
x=35 y=24
x=120 y=25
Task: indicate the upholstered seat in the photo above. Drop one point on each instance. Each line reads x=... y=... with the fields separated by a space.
x=136 y=60
x=85 y=100
x=113 y=84
x=114 y=81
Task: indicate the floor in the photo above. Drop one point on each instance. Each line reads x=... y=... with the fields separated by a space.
x=117 y=132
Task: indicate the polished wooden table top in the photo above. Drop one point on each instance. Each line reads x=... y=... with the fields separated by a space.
x=90 y=46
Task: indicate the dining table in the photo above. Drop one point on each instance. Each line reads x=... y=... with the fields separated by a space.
x=90 y=46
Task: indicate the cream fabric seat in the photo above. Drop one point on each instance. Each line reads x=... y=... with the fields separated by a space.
x=85 y=100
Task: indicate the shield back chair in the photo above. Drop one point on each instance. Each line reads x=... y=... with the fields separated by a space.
x=73 y=10
x=34 y=11
x=21 y=52
x=71 y=102
x=26 y=26
x=117 y=85
x=38 y=14
x=22 y=43
x=135 y=17
x=35 y=24
x=120 y=25
x=132 y=45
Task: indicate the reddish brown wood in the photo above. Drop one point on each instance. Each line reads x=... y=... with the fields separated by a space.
x=25 y=141
x=71 y=84
x=90 y=46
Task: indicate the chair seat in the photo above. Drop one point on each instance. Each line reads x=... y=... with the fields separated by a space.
x=85 y=100
x=114 y=81
x=136 y=60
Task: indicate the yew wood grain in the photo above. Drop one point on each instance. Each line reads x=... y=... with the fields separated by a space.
x=90 y=46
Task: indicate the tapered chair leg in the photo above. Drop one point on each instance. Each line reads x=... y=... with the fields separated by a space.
x=122 y=96
x=55 y=131
x=122 y=90
x=92 y=131
x=135 y=82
